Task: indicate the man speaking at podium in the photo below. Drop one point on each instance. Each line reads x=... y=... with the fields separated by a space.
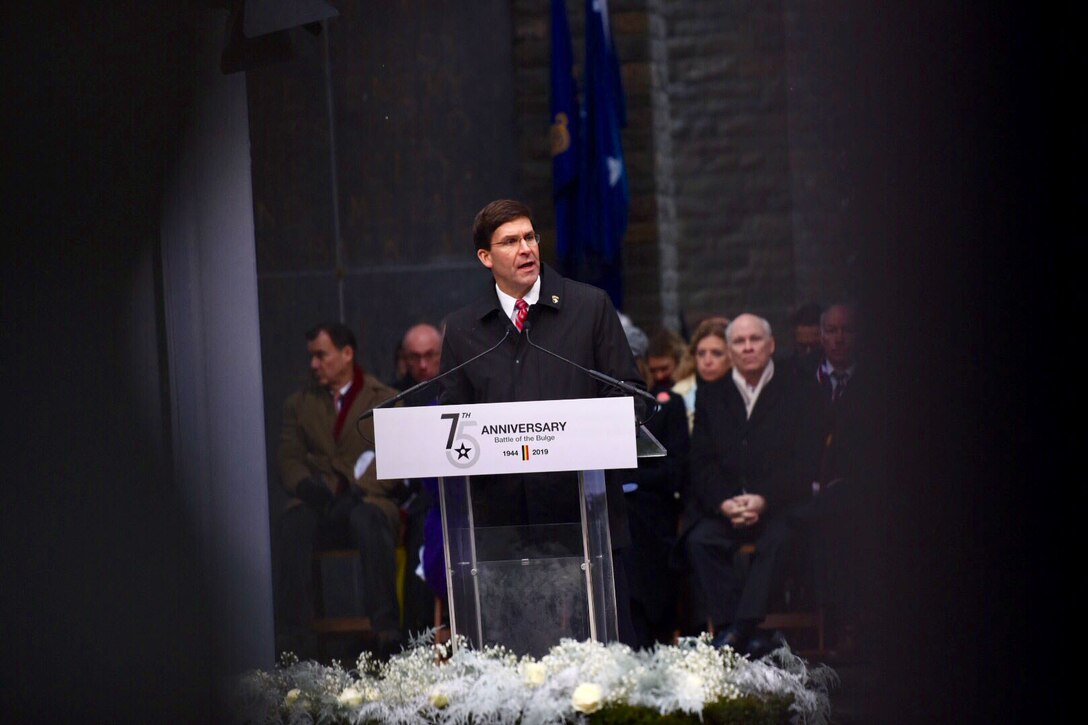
x=532 y=305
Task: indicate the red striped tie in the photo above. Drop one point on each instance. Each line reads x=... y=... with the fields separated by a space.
x=522 y=308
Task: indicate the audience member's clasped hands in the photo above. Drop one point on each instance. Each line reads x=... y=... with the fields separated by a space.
x=744 y=510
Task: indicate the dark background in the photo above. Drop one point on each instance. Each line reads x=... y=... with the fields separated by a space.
x=965 y=157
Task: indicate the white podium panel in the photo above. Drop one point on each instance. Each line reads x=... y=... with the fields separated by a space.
x=490 y=438
x=521 y=580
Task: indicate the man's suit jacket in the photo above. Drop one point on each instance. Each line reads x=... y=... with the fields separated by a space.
x=849 y=428
x=771 y=454
x=308 y=446
x=572 y=319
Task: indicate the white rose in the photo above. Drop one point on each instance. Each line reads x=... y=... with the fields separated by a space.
x=535 y=674
x=350 y=697
x=292 y=696
x=587 y=697
x=693 y=681
x=690 y=685
x=439 y=698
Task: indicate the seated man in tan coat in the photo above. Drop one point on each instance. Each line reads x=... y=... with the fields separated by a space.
x=326 y=464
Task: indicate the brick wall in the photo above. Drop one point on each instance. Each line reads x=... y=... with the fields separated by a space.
x=732 y=148
x=630 y=32
x=720 y=68
x=822 y=124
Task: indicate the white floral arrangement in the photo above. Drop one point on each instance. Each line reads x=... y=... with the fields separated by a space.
x=436 y=684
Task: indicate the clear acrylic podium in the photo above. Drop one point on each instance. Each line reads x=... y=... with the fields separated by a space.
x=526 y=587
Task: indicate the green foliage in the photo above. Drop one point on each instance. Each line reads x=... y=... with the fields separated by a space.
x=749 y=710
x=745 y=710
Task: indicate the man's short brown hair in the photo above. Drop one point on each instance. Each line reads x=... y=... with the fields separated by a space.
x=493 y=216
x=340 y=334
x=666 y=343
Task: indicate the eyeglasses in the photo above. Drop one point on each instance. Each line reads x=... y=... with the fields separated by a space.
x=418 y=357
x=511 y=244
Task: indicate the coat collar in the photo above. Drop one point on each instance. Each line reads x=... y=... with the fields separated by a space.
x=768 y=398
x=735 y=402
x=552 y=288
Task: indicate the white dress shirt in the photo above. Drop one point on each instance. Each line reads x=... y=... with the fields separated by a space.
x=507 y=302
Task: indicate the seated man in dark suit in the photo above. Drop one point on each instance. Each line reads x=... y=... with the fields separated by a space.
x=746 y=452
x=805 y=354
x=421 y=352
x=842 y=538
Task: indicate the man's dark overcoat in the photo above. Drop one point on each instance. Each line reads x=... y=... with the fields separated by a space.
x=843 y=520
x=771 y=454
x=768 y=454
x=572 y=319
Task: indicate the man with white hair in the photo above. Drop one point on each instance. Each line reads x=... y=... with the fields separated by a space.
x=745 y=474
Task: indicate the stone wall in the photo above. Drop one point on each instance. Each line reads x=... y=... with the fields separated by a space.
x=630 y=31
x=732 y=149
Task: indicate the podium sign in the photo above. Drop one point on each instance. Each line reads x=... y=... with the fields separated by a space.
x=490 y=438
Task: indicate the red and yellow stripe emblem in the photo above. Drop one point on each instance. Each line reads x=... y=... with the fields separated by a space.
x=525 y=453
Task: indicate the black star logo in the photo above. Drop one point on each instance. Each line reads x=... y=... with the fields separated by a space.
x=462 y=452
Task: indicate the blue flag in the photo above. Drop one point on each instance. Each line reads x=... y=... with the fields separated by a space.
x=604 y=197
x=565 y=122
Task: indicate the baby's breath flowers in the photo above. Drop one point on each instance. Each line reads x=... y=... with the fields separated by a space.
x=493 y=685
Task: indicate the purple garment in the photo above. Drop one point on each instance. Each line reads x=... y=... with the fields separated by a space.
x=434 y=558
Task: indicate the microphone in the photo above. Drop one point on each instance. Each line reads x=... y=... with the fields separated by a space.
x=405 y=393
x=595 y=374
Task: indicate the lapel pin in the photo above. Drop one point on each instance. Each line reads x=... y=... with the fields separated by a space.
x=555 y=299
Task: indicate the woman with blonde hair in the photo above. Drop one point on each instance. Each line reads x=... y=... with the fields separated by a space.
x=708 y=360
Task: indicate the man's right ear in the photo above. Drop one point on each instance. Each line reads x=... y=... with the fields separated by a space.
x=484 y=255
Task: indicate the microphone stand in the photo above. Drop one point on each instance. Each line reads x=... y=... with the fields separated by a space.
x=405 y=393
x=597 y=375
